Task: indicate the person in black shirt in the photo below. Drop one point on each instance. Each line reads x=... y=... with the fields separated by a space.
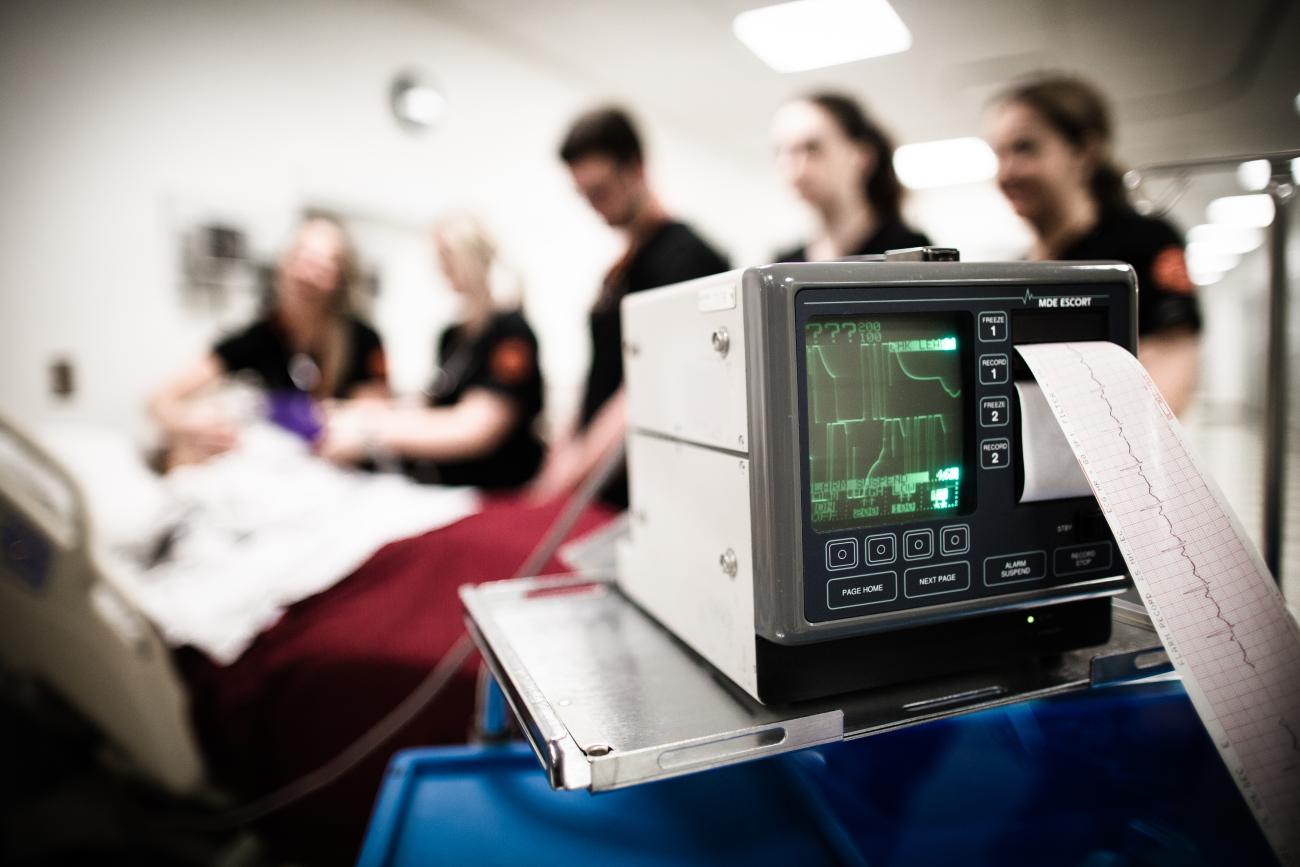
x=1052 y=138
x=841 y=163
x=307 y=344
x=604 y=155
x=477 y=428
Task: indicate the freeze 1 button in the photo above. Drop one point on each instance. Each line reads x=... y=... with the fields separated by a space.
x=993 y=326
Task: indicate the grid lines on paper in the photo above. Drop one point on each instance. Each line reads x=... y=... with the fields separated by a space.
x=1213 y=603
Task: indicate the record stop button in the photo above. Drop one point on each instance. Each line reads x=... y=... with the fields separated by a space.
x=1082 y=558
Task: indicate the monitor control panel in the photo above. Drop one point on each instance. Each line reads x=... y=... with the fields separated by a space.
x=910 y=457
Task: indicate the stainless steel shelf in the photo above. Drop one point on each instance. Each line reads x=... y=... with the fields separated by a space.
x=608 y=698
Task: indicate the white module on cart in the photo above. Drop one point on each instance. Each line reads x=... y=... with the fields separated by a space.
x=1215 y=606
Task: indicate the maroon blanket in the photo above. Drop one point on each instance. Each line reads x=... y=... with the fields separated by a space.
x=337 y=662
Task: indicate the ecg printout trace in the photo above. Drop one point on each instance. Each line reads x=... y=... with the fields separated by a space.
x=1211 y=599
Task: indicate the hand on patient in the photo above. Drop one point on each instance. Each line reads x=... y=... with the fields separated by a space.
x=352 y=430
x=203 y=432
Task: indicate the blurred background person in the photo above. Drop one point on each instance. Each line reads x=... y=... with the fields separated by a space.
x=1052 y=137
x=307 y=347
x=839 y=161
x=478 y=426
x=604 y=155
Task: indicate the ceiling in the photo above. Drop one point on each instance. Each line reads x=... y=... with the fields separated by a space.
x=1189 y=78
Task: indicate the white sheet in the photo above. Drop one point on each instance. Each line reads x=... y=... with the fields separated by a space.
x=268 y=525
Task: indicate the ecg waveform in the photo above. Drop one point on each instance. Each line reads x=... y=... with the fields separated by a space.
x=1211 y=599
x=884 y=424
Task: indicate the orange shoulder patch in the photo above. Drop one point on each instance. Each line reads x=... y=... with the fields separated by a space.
x=1169 y=271
x=511 y=361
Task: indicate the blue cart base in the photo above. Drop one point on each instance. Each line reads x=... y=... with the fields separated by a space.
x=1103 y=778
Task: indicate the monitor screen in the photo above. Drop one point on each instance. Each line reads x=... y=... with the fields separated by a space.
x=886 y=418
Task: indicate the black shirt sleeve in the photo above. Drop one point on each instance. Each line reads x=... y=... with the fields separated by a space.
x=1166 y=295
x=509 y=364
x=247 y=349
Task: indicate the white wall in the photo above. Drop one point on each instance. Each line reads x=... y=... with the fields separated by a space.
x=122 y=123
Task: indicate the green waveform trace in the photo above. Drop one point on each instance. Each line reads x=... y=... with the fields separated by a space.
x=884 y=442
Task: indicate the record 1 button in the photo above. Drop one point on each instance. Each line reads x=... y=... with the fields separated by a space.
x=841 y=554
x=995 y=454
x=994 y=369
x=880 y=549
x=993 y=326
x=918 y=544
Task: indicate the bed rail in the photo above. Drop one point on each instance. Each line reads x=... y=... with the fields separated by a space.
x=64 y=622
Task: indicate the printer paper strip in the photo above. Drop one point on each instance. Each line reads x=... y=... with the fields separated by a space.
x=1051 y=472
x=1215 y=606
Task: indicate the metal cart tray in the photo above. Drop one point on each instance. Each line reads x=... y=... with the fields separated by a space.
x=608 y=698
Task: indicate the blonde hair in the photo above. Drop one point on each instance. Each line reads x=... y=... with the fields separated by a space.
x=472 y=243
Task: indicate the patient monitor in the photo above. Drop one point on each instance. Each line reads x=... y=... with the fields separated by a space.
x=840 y=477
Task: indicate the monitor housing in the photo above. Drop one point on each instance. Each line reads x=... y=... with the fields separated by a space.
x=825 y=469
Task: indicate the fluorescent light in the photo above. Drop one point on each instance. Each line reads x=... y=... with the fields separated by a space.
x=1253 y=210
x=1295 y=170
x=1204 y=278
x=811 y=34
x=1202 y=259
x=945 y=163
x=1254 y=174
x=1226 y=239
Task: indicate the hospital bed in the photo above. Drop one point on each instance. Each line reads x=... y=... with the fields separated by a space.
x=66 y=619
x=303 y=690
